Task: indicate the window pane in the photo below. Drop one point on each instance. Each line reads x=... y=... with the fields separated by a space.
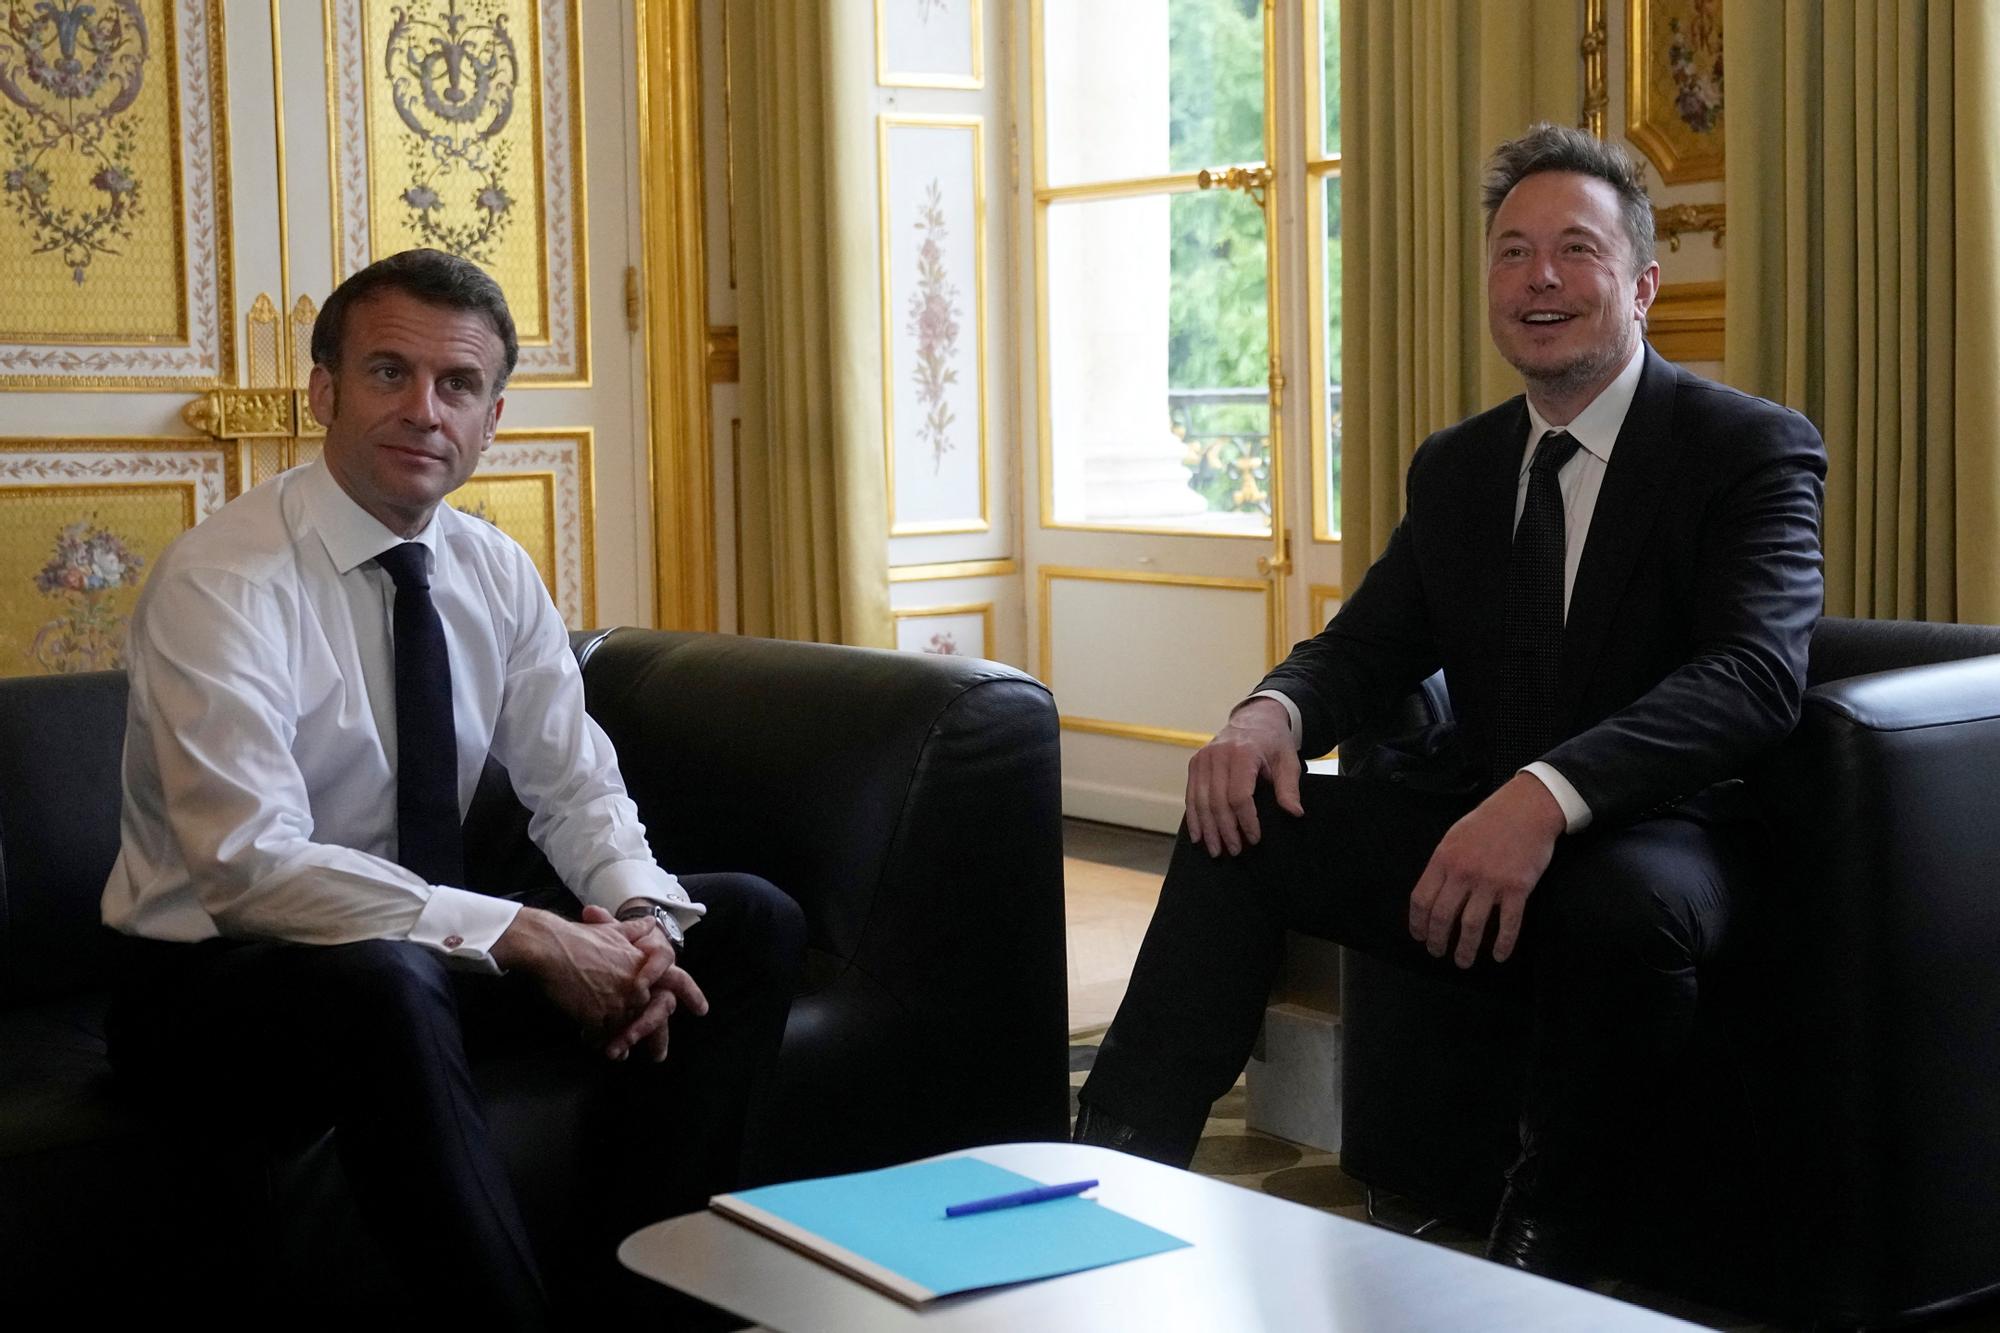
x=1330 y=296
x=1136 y=88
x=1159 y=349
x=1329 y=80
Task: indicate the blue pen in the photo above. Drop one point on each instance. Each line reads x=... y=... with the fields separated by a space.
x=1039 y=1194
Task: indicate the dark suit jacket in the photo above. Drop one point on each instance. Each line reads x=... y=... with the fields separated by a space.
x=1684 y=650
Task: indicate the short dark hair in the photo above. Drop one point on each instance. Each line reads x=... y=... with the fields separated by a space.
x=1547 y=147
x=431 y=276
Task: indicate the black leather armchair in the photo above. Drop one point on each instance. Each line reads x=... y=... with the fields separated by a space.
x=1833 y=1150
x=909 y=803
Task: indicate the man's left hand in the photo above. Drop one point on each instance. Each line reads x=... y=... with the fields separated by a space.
x=1490 y=861
x=671 y=988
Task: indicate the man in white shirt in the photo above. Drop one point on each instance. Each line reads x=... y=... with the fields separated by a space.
x=1618 y=574
x=306 y=951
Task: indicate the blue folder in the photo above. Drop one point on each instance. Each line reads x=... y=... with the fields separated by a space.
x=888 y=1229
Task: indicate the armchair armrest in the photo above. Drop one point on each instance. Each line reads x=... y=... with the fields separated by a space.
x=911 y=804
x=1886 y=924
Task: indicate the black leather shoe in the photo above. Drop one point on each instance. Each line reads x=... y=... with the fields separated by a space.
x=1093 y=1126
x=1541 y=1235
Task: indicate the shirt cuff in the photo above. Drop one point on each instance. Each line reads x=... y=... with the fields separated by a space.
x=1575 y=813
x=1291 y=714
x=615 y=883
x=464 y=926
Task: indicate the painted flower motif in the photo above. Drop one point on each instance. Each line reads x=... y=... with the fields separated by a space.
x=944 y=645
x=421 y=197
x=114 y=182
x=32 y=181
x=494 y=200
x=1694 y=58
x=933 y=322
x=88 y=558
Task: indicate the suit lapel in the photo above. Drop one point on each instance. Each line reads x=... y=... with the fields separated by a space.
x=1627 y=504
x=1489 y=533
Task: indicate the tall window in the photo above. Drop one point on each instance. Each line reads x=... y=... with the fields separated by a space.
x=1156 y=264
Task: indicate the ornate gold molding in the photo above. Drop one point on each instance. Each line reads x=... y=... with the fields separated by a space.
x=1596 y=83
x=246 y=414
x=1671 y=222
x=676 y=316
x=1686 y=322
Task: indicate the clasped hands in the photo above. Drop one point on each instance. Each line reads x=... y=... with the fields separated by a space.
x=1481 y=872
x=618 y=979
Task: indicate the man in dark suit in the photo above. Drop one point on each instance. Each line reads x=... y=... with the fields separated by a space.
x=1618 y=573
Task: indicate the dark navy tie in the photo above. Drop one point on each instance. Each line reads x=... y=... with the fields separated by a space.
x=1525 y=726
x=428 y=837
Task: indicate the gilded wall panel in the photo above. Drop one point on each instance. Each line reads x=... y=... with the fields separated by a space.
x=458 y=124
x=535 y=486
x=114 y=195
x=82 y=522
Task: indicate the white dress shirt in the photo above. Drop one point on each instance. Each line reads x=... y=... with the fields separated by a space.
x=1595 y=429
x=260 y=748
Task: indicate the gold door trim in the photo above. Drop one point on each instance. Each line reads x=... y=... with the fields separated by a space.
x=888 y=78
x=1045 y=647
x=953 y=569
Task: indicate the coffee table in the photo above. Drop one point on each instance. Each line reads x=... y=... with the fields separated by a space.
x=1256 y=1262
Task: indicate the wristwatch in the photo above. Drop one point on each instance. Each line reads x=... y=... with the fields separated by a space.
x=668 y=924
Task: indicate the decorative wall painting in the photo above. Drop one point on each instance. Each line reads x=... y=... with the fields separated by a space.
x=114 y=196
x=1674 y=99
x=948 y=631
x=929 y=44
x=458 y=124
x=933 y=220
x=82 y=523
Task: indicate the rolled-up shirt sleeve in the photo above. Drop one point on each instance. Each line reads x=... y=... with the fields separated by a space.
x=216 y=690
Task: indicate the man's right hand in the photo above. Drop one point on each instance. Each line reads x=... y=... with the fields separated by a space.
x=1222 y=777
x=589 y=969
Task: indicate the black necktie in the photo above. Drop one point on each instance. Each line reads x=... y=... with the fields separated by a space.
x=427 y=826
x=1525 y=727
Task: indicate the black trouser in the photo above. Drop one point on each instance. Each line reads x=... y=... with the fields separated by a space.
x=1608 y=953
x=254 y=1042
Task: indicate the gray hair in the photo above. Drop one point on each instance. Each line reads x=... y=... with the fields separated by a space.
x=1547 y=147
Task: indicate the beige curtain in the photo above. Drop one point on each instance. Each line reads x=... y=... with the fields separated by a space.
x=812 y=526
x=1862 y=273
x=1429 y=88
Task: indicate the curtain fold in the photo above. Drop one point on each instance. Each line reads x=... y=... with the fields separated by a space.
x=812 y=515
x=1860 y=273
x=1429 y=88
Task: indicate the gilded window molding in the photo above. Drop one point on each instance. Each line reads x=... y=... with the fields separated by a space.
x=459 y=125
x=114 y=187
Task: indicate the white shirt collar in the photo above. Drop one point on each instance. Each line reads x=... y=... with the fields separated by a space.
x=1596 y=427
x=352 y=535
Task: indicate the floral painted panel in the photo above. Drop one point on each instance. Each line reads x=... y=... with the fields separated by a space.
x=1674 y=94
x=81 y=526
x=929 y=44
x=113 y=178
x=458 y=125
x=934 y=320
x=947 y=631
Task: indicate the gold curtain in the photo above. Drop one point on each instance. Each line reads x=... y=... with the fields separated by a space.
x=1861 y=274
x=1429 y=88
x=812 y=519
